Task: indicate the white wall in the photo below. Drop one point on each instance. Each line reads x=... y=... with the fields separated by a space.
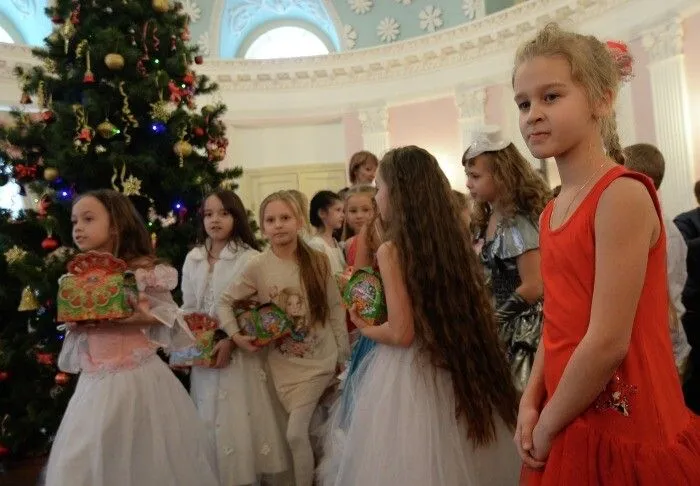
x=274 y=146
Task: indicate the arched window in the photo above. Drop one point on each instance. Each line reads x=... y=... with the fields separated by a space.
x=285 y=42
x=5 y=37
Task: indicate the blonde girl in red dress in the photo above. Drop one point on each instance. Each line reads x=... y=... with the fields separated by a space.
x=603 y=405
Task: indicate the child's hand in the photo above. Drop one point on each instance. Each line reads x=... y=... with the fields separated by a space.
x=356 y=318
x=245 y=342
x=541 y=443
x=527 y=420
x=222 y=353
x=141 y=317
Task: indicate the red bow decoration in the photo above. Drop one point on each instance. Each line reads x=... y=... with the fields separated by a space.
x=622 y=58
x=23 y=172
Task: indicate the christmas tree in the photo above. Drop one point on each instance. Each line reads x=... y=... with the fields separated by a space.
x=115 y=92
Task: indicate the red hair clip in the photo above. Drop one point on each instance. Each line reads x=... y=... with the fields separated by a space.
x=622 y=58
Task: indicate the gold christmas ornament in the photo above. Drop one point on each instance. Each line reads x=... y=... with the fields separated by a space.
x=107 y=130
x=131 y=186
x=114 y=61
x=161 y=110
x=54 y=37
x=161 y=6
x=15 y=255
x=28 y=300
x=67 y=31
x=50 y=174
x=182 y=149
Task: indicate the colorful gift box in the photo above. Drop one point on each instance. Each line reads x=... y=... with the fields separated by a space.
x=206 y=332
x=266 y=322
x=97 y=287
x=363 y=288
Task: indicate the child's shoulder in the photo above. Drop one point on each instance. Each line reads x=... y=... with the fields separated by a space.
x=197 y=253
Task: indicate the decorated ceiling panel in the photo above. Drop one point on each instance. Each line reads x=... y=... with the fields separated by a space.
x=223 y=28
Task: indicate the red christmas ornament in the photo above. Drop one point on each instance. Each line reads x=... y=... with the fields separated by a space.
x=89 y=78
x=48 y=116
x=188 y=78
x=199 y=131
x=56 y=19
x=44 y=358
x=4 y=451
x=25 y=99
x=50 y=243
x=75 y=15
x=4 y=375
x=198 y=59
x=62 y=378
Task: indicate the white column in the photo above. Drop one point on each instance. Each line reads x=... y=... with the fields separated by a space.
x=471 y=105
x=624 y=111
x=671 y=114
x=375 y=129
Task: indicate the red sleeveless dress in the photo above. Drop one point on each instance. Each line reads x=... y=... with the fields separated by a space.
x=638 y=431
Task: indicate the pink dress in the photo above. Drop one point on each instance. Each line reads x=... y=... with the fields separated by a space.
x=130 y=422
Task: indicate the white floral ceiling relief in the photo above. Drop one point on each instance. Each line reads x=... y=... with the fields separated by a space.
x=381 y=21
x=361 y=7
x=430 y=18
x=388 y=30
x=191 y=8
x=349 y=36
x=469 y=8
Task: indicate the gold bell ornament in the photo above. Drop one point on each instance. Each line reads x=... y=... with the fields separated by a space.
x=28 y=300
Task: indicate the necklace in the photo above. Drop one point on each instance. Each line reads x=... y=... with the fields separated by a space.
x=578 y=191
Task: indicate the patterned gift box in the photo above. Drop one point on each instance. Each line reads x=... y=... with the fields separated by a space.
x=206 y=332
x=96 y=287
x=266 y=322
x=363 y=288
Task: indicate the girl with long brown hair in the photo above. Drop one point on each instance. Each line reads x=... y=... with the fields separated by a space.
x=130 y=421
x=509 y=196
x=298 y=279
x=434 y=403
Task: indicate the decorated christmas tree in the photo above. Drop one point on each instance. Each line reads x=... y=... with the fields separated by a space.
x=110 y=103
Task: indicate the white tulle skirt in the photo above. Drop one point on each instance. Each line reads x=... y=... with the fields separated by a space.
x=243 y=420
x=400 y=430
x=134 y=427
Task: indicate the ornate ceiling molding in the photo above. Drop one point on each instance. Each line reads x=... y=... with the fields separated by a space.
x=471 y=55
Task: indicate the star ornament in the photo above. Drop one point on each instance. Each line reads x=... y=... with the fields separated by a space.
x=131 y=186
x=15 y=255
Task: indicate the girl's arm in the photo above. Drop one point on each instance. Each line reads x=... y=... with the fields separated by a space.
x=336 y=319
x=531 y=286
x=626 y=226
x=398 y=330
x=189 y=299
x=243 y=287
x=534 y=393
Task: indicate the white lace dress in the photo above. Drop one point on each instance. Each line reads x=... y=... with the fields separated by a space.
x=130 y=422
x=237 y=406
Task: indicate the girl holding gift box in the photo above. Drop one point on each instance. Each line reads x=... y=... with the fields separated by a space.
x=434 y=404
x=232 y=398
x=298 y=279
x=129 y=422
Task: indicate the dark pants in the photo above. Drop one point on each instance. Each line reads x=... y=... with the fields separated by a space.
x=691 y=387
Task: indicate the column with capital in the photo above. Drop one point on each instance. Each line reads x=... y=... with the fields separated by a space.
x=669 y=93
x=375 y=129
x=471 y=105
